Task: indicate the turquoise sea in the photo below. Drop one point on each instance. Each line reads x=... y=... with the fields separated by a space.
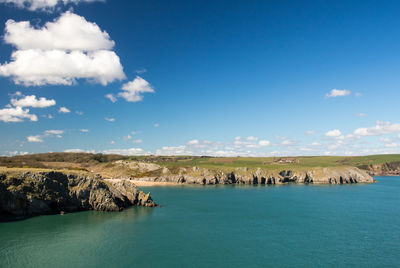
x=221 y=226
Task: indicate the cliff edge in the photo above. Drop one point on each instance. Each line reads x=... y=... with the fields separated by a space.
x=30 y=193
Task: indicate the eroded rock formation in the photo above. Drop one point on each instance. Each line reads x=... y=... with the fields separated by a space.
x=342 y=175
x=24 y=194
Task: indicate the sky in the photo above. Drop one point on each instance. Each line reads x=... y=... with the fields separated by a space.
x=218 y=78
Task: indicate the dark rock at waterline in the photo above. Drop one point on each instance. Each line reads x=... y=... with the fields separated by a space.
x=26 y=194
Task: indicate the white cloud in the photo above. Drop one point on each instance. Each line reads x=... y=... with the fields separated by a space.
x=385 y=140
x=36 y=138
x=315 y=143
x=43 y=5
x=156 y=125
x=193 y=142
x=132 y=91
x=79 y=112
x=264 y=143
x=337 y=93
x=172 y=150
x=252 y=138
x=333 y=133
x=16 y=114
x=35 y=67
x=53 y=132
x=32 y=101
x=60 y=52
x=309 y=132
x=137 y=141
x=14 y=153
x=379 y=129
x=109 y=119
x=68 y=32
x=286 y=142
x=111 y=97
x=130 y=151
x=112 y=142
x=64 y=110
x=84 y=130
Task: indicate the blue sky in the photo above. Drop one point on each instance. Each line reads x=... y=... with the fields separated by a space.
x=256 y=78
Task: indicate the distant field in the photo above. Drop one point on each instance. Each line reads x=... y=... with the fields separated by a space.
x=81 y=161
x=273 y=162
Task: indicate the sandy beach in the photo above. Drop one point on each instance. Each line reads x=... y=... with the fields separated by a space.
x=147 y=183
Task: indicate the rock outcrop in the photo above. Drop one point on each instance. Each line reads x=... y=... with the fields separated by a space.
x=331 y=175
x=25 y=194
x=385 y=169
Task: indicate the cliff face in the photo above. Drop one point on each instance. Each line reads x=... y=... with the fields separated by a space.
x=342 y=175
x=24 y=194
x=392 y=168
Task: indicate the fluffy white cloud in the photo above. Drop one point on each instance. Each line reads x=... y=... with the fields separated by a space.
x=60 y=52
x=309 y=132
x=46 y=134
x=132 y=91
x=64 y=110
x=36 y=67
x=109 y=119
x=337 y=93
x=84 y=130
x=252 y=138
x=333 y=133
x=156 y=125
x=32 y=101
x=111 y=97
x=68 y=32
x=137 y=141
x=16 y=114
x=379 y=129
x=36 y=138
x=43 y=5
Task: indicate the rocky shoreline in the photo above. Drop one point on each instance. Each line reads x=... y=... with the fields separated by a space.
x=26 y=194
x=348 y=175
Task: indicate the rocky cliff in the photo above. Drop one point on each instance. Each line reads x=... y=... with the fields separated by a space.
x=24 y=194
x=328 y=175
x=385 y=169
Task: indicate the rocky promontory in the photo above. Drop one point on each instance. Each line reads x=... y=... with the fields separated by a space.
x=244 y=175
x=30 y=193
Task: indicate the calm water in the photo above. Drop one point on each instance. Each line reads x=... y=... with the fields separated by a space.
x=221 y=226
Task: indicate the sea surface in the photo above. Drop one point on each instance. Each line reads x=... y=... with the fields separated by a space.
x=221 y=226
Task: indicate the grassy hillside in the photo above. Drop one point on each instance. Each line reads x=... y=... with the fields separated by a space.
x=86 y=160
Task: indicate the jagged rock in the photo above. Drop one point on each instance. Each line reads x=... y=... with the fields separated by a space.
x=29 y=194
x=331 y=175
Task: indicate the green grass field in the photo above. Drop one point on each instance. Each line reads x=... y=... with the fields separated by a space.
x=82 y=160
x=272 y=162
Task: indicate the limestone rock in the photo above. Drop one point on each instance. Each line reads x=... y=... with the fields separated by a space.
x=29 y=194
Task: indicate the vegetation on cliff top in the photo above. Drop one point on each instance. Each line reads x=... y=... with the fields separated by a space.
x=86 y=161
